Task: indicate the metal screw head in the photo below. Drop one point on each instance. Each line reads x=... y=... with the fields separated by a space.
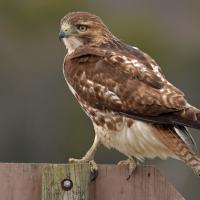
x=66 y=184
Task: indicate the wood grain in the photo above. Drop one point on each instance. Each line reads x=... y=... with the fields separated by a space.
x=53 y=176
x=20 y=181
x=146 y=184
x=43 y=182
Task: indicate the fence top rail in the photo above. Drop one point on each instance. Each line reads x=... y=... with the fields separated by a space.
x=36 y=181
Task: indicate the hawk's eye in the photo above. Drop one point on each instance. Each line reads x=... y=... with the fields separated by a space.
x=82 y=28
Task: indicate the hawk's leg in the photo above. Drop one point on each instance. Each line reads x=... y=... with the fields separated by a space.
x=89 y=157
x=132 y=164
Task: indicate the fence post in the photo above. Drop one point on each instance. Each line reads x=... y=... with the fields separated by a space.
x=65 y=182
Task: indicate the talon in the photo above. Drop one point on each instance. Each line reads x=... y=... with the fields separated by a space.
x=132 y=164
x=93 y=166
x=93 y=169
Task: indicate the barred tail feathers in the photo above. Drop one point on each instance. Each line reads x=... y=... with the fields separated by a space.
x=191 y=160
x=182 y=146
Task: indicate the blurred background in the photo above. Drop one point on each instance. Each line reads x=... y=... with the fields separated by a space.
x=40 y=120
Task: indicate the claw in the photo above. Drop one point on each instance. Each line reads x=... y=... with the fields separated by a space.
x=132 y=164
x=93 y=166
x=93 y=169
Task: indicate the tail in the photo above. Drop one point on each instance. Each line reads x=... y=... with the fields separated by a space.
x=185 y=154
x=178 y=142
x=185 y=148
x=191 y=160
x=191 y=118
x=195 y=165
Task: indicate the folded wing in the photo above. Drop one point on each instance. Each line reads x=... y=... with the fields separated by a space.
x=129 y=86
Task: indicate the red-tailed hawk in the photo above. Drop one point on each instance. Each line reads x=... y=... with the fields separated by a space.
x=133 y=108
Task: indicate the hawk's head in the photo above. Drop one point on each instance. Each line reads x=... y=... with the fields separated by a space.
x=80 y=28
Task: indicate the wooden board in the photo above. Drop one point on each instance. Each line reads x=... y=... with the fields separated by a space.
x=20 y=181
x=43 y=182
x=146 y=184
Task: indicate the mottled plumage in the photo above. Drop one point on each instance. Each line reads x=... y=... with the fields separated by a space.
x=134 y=109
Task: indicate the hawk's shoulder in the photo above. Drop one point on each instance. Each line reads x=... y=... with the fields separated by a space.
x=140 y=65
x=133 y=61
x=122 y=82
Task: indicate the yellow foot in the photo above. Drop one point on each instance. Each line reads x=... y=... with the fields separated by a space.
x=132 y=164
x=93 y=166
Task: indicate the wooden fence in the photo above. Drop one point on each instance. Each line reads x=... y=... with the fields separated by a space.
x=73 y=182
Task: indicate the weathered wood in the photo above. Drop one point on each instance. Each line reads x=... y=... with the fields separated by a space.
x=146 y=184
x=43 y=182
x=53 y=176
x=20 y=181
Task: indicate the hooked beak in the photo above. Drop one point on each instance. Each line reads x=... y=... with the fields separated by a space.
x=63 y=34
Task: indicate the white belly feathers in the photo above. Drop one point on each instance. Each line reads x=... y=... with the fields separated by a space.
x=138 y=141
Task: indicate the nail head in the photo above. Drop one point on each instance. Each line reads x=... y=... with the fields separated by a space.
x=66 y=184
